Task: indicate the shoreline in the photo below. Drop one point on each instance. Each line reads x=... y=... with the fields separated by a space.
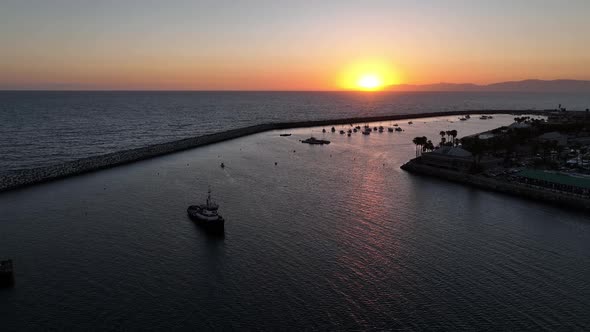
x=519 y=190
x=22 y=178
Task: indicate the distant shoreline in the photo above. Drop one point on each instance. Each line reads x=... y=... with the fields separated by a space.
x=22 y=178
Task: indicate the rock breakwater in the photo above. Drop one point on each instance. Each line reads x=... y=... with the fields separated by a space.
x=16 y=179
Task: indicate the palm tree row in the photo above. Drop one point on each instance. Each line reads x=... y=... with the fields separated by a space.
x=423 y=144
x=449 y=133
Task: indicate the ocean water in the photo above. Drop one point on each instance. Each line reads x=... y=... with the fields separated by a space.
x=333 y=237
x=46 y=128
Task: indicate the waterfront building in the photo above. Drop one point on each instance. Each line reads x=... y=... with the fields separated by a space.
x=575 y=184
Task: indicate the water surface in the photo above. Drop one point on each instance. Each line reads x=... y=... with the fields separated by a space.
x=332 y=237
x=45 y=128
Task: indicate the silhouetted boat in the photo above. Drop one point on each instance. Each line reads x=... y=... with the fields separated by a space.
x=398 y=129
x=206 y=215
x=342 y=132
x=285 y=135
x=324 y=130
x=313 y=140
x=390 y=130
x=333 y=129
x=410 y=122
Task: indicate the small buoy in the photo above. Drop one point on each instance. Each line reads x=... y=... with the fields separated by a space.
x=293 y=151
x=222 y=165
x=275 y=163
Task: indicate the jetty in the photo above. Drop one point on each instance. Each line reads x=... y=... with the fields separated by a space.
x=16 y=179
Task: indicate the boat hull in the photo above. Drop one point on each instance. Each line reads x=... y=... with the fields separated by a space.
x=214 y=225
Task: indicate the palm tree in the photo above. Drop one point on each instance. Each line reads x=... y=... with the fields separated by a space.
x=454 y=134
x=416 y=142
x=420 y=142
x=428 y=146
x=442 y=137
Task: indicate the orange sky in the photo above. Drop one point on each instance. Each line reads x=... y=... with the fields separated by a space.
x=288 y=45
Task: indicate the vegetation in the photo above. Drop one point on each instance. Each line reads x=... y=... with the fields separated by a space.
x=420 y=143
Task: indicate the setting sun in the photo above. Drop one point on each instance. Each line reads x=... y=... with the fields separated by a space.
x=368 y=75
x=370 y=82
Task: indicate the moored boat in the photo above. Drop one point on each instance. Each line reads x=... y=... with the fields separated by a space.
x=313 y=140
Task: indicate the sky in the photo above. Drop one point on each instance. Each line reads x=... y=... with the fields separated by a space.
x=287 y=45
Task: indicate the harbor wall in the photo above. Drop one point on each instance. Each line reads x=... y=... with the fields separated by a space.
x=16 y=179
x=516 y=189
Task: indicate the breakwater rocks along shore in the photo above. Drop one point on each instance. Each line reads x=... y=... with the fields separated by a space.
x=17 y=179
x=415 y=166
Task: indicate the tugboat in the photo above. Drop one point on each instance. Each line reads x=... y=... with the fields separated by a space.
x=206 y=215
x=6 y=273
x=313 y=140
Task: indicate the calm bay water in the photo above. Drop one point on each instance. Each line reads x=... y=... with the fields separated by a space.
x=332 y=237
x=45 y=128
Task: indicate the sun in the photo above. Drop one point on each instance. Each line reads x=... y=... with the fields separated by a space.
x=367 y=75
x=370 y=82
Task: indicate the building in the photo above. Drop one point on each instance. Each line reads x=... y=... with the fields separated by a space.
x=579 y=185
x=457 y=159
x=454 y=158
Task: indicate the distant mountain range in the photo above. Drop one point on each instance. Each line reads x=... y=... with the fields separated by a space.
x=512 y=86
